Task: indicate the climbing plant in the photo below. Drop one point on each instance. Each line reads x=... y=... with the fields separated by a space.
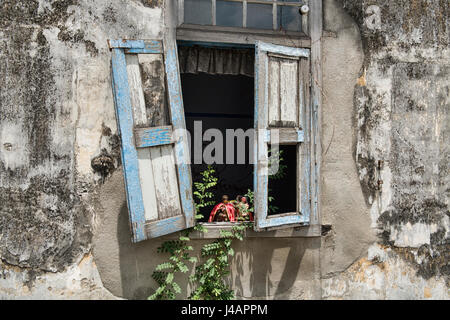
x=179 y=250
x=203 y=194
x=209 y=279
x=165 y=272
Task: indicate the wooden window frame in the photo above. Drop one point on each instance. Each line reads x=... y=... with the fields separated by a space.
x=298 y=136
x=244 y=29
x=234 y=35
x=217 y=36
x=309 y=229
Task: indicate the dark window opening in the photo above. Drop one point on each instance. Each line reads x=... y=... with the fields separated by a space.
x=221 y=102
x=283 y=184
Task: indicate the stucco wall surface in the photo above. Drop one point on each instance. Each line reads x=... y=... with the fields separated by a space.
x=64 y=230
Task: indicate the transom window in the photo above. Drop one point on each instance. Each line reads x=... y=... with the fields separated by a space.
x=275 y=15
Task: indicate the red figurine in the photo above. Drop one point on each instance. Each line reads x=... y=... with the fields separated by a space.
x=223 y=211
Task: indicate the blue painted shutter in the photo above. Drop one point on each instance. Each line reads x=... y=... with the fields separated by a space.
x=282 y=113
x=155 y=160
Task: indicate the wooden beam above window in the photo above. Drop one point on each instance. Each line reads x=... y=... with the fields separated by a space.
x=189 y=32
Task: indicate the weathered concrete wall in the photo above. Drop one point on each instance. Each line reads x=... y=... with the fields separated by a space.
x=56 y=117
x=402 y=118
x=63 y=220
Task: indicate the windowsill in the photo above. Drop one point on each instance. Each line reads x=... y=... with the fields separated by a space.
x=213 y=232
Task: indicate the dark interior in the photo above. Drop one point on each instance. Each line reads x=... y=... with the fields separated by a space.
x=283 y=184
x=227 y=102
x=221 y=102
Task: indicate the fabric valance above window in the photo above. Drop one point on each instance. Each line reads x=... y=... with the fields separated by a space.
x=193 y=59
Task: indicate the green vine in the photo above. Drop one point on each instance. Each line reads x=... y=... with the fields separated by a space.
x=165 y=272
x=209 y=277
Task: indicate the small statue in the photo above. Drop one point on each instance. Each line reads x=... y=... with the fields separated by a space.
x=242 y=209
x=223 y=211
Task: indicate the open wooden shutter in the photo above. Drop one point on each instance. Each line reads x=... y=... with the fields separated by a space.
x=282 y=113
x=156 y=166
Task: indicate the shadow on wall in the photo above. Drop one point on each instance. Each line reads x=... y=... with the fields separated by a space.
x=134 y=261
x=262 y=267
x=270 y=268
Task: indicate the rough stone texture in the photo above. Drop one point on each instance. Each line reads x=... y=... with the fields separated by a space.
x=62 y=198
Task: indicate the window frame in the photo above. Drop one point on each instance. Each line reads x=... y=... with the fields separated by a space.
x=301 y=216
x=215 y=35
x=230 y=35
x=297 y=229
x=275 y=3
x=170 y=36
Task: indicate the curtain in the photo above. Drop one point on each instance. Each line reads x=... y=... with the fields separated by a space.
x=194 y=59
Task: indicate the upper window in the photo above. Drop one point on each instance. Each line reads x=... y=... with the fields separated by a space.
x=281 y=15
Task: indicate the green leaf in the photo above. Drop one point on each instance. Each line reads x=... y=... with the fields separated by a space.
x=193 y=259
x=160 y=290
x=169 y=277
x=176 y=287
x=182 y=267
x=163 y=266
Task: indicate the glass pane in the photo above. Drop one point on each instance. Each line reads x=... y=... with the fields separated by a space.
x=289 y=18
x=197 y=12
x=259 y=16
x=228 y=14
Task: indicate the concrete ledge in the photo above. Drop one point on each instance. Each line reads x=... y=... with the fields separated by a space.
x=289 y=232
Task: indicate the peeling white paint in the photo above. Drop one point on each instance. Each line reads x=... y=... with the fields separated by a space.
x=79 y=281
x=13 y=151
x=388 y=277
x=411 y=235
x=378 y=253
